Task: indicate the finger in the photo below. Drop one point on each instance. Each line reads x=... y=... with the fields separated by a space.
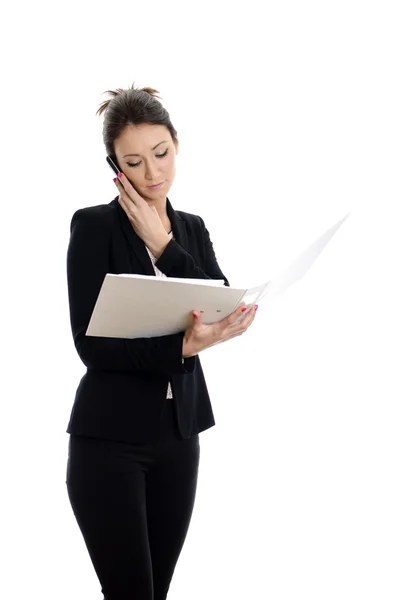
x=122 y=194
x=129 y=189
x=238 y=323
x=231 y=319
x=247 y=322
x=229 y=328
x=124 y=200
x=251 y=310
x=118 y=185
x=238 y=329
x=249 y=316
x=124 y=205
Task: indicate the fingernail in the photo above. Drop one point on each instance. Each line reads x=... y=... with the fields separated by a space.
x=256 y=307
x=195 y=316
x=119 y=174
x=115 y=179
x=243 y=309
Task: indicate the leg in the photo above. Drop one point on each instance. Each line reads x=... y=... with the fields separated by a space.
x=171 y=491
x=107 y=493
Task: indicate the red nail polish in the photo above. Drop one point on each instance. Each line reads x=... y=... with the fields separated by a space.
x=243 y=309
x=115 y=179
x=256 y=307
x=119 y=174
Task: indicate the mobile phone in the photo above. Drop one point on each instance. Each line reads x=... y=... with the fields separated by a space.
x=116 y=169
x=113 y=164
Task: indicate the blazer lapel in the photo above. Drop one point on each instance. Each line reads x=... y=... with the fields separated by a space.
x=138 y=245
x=178 y=226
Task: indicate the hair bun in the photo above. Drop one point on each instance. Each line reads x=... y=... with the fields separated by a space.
x=151 y=91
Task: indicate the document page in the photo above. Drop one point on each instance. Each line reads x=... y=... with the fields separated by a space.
x=133 y=306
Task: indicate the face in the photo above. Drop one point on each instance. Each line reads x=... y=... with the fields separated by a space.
x=146 y=155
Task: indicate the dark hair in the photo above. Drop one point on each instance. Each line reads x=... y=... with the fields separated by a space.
x=133 y=106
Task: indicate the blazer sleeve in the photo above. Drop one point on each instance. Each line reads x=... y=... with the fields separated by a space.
x=87 y=264
x=175 y=261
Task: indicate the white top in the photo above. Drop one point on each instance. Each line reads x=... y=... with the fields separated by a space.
x=160 y=274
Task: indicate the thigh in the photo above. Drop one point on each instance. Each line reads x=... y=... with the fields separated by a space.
x=107 y=493
x=171 y=491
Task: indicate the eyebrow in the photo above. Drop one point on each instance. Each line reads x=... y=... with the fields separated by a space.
x=152 y=149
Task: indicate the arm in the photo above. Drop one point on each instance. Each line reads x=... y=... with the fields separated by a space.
x=87 y=265
x=175 y=261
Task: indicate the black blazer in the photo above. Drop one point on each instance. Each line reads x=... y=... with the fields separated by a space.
x=123 y=393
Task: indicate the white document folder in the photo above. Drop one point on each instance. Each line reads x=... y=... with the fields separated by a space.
x=134 y=306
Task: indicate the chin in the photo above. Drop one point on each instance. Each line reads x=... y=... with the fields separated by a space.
x=154 y=198
x=161 y=193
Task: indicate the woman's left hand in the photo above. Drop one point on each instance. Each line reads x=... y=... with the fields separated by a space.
x=144 y=218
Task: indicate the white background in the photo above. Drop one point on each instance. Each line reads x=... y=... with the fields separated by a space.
x=286 y=115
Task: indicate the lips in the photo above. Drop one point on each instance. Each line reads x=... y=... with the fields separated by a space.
x=157 y=185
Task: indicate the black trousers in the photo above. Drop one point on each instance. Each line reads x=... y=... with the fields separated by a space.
x=133 y=504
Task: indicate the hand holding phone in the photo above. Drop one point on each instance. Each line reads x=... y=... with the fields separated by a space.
x=143 y=218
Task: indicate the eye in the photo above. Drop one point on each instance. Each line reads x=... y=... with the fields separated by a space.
x=162 y=155
x=157 y=155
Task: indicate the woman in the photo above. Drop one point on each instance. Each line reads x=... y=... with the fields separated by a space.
x=135 y=423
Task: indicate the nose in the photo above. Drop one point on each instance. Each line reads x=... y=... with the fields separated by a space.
x=151 y=172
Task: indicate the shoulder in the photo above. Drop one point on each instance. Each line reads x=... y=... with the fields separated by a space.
x=100 y=215
x=194 y=221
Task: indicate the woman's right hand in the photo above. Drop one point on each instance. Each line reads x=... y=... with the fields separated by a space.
x=199 y=336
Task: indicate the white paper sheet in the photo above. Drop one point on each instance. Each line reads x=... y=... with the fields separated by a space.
x=133 y=306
